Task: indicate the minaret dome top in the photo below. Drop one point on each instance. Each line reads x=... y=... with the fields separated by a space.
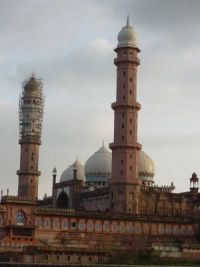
x=127 y=36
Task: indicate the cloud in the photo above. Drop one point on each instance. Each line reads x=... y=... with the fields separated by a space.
x=71 y=48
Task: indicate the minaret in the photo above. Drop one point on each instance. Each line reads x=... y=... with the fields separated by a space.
x=125 y=182
x=30 y=125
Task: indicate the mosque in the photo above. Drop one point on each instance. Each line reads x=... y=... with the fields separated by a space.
x=109 y=205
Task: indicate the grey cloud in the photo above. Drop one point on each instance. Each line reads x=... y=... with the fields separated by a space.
x=55 y=41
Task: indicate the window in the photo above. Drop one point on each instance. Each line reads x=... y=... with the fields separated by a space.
x=90 y=259
x=130 y=167
x=58 y=258
x=130 y=92
x=121 y=172
x=65 y=224
x=130 y=79
x=130 y=132
x=73 y=224
x=122 y=137
x=68 y=258
x=130 y=156
x=20 y=218
x=122 y=126
x=124 y=73
x=124 y=97
x=122 y=114
x=122 y=162
x=124 y=86
x=130 y=120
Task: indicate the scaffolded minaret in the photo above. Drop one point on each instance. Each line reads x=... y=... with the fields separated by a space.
x=30 y=125
x=125 y=182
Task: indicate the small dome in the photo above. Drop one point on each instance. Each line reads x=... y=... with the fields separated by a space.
x=98 y=166
x=146 y=167
x=127 y=36
x=68 y=174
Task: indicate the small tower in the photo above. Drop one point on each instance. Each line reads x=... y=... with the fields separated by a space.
x=125 y=182
x=54 y=174
x=30 y=125
x=194 y=183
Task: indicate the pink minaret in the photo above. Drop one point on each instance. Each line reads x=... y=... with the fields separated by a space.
x=30 y=125
x=125 y=182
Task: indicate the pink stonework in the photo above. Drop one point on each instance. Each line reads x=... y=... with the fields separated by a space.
x=31 y=111
x=93 y=221
x=125 y=182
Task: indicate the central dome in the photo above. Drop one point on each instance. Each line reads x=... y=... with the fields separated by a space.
x=98 y=166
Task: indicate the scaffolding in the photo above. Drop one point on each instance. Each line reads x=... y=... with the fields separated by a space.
x=31 y=105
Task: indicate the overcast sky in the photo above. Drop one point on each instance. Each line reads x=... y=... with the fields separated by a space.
x=69 y=44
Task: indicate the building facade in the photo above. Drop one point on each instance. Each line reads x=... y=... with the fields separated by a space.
x=110 y=204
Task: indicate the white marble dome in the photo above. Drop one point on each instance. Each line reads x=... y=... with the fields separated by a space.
x=68 y=174
x=127 y=36
x=146 y=167
x=98 y=166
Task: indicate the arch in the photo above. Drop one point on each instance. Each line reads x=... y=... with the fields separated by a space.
x=142 y=206
x=62 y=201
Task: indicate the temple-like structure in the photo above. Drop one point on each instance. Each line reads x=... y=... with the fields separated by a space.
x=110 y=204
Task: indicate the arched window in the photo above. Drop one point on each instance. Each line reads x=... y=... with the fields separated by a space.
x=62 y=201
x=20 y=218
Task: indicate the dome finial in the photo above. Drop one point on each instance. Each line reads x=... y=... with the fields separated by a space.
x=127 y=21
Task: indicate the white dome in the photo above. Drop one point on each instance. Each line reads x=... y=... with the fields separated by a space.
x=99 y=164
x=127 y=36
x=146 y=167
x=68 y=174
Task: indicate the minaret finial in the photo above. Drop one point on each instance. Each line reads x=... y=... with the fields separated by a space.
x=127 y=21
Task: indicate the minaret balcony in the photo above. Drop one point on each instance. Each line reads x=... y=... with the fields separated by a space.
x=28 y=172
x=117 y=105
x=31 y=139
x=114 y=146
x=127 y=59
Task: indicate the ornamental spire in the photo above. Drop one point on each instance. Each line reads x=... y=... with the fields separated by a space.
x=127 y=21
